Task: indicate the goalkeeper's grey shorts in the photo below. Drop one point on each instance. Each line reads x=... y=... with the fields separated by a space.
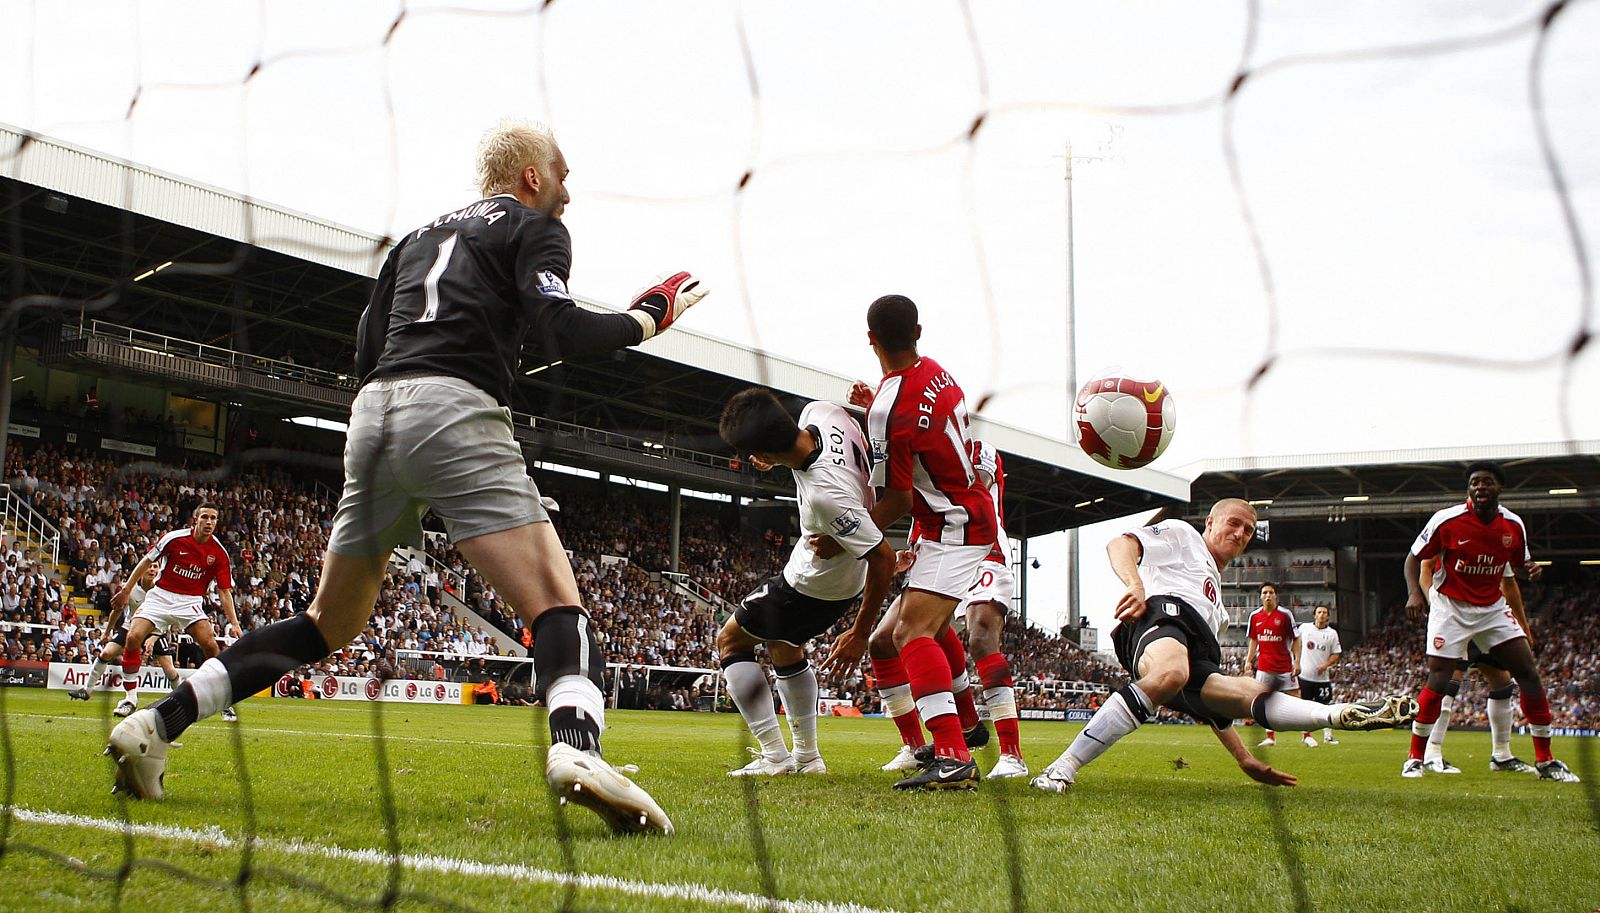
x=429 y=442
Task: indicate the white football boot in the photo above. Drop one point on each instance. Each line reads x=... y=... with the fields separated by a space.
x=586 y=779
x=141 y=755
x=903 y=760
x=1009 y=767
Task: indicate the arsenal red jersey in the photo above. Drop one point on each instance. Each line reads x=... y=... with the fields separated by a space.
x=188 y=567
x=919 y=432
x=1273 y=633
x=1471 y=555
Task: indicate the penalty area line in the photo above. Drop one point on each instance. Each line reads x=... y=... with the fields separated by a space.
x=216 y=837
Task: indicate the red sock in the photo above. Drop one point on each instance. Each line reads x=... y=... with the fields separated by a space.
x=995 y=675
x=891 y=673
x=130 y=670
x=930 y=684
x=1427 y=714
x=955 y=653
x=1536 y=709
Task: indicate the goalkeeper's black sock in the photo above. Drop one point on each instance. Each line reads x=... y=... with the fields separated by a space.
x=254 y=662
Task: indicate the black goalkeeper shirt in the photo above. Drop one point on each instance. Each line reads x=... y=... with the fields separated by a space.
x=460 y=295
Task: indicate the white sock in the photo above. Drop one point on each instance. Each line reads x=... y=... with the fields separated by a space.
x=1001 y=701
x=1500 y=727
x=748 y=687
x=96 y=673
x=897 y=700
x=1435 y=749
x=130 y=684
x=1291 y=713
x=212 y=690
x=1327 y=734
x=1111 y=722
x=575 y=691
x=799 y=692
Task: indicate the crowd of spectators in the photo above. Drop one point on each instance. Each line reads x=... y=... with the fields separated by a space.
x=274 y=523
x=1566 y=638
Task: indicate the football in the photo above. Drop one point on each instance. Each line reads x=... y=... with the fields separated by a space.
x=1124 y=423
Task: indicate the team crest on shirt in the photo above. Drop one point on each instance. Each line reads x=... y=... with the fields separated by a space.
x=550 y=285
x=846 y=523
x=1211 y=590
x=880 y=450
x=1506 y=540
x=210 y=560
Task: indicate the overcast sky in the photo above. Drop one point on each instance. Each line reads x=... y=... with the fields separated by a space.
x=1402 y=201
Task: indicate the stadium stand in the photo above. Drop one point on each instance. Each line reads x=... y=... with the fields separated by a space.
x=109 y=508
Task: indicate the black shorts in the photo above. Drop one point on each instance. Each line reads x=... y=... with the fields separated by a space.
x=1477 y=657
x=160 y=645
x=1170 y=617
x=778 y=611
x=1321 y=692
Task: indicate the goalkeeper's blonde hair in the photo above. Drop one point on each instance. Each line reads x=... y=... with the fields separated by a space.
x=509 y=148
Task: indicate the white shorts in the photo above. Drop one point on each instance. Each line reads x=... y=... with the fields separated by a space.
x=1278 y=681
x=1452 y=624
x=994 y=582
x=170 y=610
x=948 y=570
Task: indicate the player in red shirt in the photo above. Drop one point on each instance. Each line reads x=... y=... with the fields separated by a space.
x=922 y=450
x=983 y=611
x=191 y=560
x=1473 y=545
x=1274 y=653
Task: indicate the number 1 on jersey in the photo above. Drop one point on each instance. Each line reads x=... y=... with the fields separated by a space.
x=430 y=285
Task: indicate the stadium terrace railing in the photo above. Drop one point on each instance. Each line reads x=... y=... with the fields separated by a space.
x=26 y=523
x=644 y=447
x=698 y=591
x=639 y=449
x=171 y=346
x=1064 y=688
x=414 y=660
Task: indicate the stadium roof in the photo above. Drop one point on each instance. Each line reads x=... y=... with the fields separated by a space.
x=1380 y=499
x=157 y=252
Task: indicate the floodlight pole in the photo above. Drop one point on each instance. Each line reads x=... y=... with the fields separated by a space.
x=1071 y=362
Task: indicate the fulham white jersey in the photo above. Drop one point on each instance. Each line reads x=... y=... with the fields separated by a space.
x=1317 y=646
x=1176 y=562
x=986 y=460
x=836 y=499
x=135 y=600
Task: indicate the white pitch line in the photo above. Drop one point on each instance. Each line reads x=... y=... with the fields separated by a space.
x=315 y=733
x=215 y=836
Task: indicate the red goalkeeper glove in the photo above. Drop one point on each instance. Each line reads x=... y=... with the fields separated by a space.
x=660 y=305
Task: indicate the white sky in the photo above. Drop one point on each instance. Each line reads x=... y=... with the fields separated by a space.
x=1402 y=201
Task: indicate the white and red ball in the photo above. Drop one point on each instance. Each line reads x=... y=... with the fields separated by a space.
x=1124 y=423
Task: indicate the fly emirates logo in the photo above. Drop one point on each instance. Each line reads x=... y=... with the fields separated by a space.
x=188 y=571
x=1486 y=565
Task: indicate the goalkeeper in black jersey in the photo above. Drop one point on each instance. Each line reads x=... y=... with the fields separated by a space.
x=437 y=351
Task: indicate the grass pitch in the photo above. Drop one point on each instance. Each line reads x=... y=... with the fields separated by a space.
x=1140 y=832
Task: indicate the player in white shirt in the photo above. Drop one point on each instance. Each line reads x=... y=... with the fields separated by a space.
x=1319 y=652
x=831 y=462
x=1171 y=616
x=113 y=648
